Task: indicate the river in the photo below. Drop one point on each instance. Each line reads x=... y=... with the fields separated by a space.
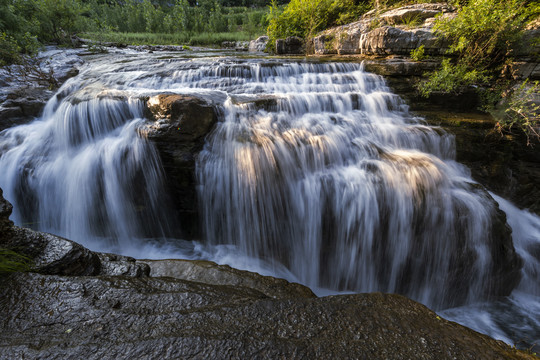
x=332 y=183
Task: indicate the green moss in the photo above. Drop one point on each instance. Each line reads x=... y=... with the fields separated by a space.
x=11 y=261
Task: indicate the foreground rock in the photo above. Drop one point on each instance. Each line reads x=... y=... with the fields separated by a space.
x=180 y=124
x=108 y=317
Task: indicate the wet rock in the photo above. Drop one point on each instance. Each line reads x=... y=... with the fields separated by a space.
x=211 y=273
x=118 y=265
x=26 y=88
x=6 y=225
x=22 y=105
x=52 y=254
x=292 y=45
x=503 y=163
x=108 y=317
x=181 y=122
x=259 y=44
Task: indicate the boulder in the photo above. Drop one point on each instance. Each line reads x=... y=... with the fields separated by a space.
x=259 y=44
x=178 y=127
x=293 y=45
x=341 y=40
x=22 y=105
x=119 y=317
x=414 y=14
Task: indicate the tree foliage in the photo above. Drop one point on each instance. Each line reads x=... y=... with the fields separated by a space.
x=304 y=18
x=483 y=37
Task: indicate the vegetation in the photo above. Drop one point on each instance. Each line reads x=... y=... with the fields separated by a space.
x=304 y=18
x=26 y=24
x=11 y=261
x=482 y=39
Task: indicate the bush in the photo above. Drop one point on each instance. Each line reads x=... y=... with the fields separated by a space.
x=418 y=53
x=304 y=18
x=520 y=108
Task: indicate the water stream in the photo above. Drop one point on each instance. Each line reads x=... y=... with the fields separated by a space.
x=316 y=172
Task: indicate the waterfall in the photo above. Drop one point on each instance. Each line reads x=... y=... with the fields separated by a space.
x=317 y=168
x=333 y=178
x=82 y=172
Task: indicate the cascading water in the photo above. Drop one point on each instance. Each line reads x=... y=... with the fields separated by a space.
x=336 y=181
x=317 y=169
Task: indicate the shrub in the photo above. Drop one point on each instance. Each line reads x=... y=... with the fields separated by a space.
x=520 y=108
x=418 y=53
x=304 y=18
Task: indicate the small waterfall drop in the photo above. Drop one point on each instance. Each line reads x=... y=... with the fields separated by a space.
x=82 y=172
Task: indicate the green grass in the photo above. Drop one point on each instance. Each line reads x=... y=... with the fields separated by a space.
x=11 y=261
x=169 y=39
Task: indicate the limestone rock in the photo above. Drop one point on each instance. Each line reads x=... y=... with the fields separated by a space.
x=395 y=32
x=259 y=44
x=416 y=13
x=389 y=40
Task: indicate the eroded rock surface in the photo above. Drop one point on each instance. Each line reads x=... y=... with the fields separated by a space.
x=210 y=273
x=106 y=317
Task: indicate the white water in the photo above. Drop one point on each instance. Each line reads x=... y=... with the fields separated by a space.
x=330 y=182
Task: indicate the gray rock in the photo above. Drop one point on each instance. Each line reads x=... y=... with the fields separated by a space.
x=52 y=254
x=416 y=13
x=292 y=45
x=389 y=40
x=395 y=32
x=211 y=273
x=259 y=44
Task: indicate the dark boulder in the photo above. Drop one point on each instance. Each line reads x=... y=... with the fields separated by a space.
x=119 y=317
x=292 y=45
x=179 y=127
x=21 y=105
